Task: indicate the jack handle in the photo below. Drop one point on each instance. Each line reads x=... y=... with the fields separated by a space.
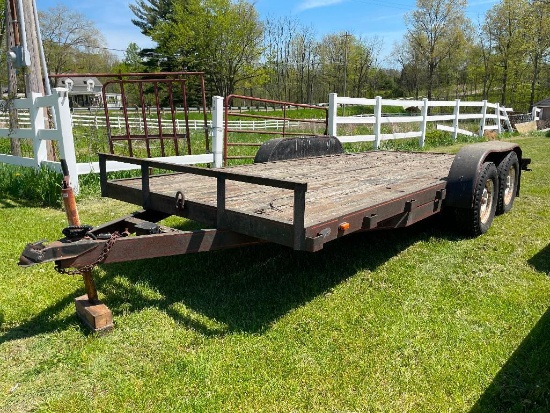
x=65 y=170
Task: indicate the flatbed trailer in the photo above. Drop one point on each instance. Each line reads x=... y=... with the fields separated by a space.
x=301 y=203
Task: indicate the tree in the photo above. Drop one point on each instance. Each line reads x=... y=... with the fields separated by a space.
x=305 y=62
x=149 y=13
x=132 y=61
x=333 y=61
x=484 y=50
x=3 y=22
x=279 y=38
x=72 y=43
x=434 y=30
x=221 y=37
x=412 y=74
x=361 y=59
x=504 y=27
x=538 y=41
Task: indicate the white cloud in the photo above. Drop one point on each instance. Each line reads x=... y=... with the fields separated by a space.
x=314 y=4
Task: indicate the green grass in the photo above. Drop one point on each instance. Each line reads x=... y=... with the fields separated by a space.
x=414 y=320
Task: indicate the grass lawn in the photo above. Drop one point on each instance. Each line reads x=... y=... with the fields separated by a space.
x=413 y=320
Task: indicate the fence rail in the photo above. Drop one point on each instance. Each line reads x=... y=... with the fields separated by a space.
x=40 y=134
x=376 y=119
x=98 y=121
x=455 y=116
x=32 y=125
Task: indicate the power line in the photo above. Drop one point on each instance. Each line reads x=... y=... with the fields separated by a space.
x=87 y=46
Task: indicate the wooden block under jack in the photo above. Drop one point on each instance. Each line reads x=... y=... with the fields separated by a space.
x=96 y=316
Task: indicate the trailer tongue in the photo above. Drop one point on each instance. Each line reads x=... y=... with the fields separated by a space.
x=300 y=203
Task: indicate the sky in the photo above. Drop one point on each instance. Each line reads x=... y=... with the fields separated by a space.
x=367 y=18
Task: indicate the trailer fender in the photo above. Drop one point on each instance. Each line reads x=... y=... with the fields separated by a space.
x=466 y=167
x=298 y=147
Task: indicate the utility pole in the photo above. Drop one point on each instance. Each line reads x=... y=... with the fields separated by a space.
x=12 y=38
x=25 y=49
x=346 y=36
x=346 y=47
x=33 y=78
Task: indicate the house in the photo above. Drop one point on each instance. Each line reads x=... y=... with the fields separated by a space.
x=85 y=92
x=544 y=106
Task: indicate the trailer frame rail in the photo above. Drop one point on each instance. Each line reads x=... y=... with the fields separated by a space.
x=225 y=219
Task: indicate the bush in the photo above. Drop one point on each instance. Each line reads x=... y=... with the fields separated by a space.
x=436 y=138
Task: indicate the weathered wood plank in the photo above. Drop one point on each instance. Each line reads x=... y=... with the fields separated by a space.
x=337 y=184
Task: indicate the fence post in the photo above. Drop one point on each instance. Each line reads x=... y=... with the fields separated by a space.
x=483 y=119
x=424 y=123
x=507 y=120
x=66 y=143
x=36 y=119
x=332 y=114
x=455 y=120
x=377 y=121
x=217 y=130
x=499 y=126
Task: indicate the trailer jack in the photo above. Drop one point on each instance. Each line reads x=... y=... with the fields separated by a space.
x=132 y=237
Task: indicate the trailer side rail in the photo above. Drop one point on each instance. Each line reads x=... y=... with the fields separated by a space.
x=223 y=215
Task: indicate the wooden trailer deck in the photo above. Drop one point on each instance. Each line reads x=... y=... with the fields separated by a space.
x=365 y=190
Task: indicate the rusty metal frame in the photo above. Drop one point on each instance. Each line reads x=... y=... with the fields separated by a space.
x=87 y=249
x=284 y=118
x=292 y=234
x=169 y=79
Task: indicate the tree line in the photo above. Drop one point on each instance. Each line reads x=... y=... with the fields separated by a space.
x=504 y=57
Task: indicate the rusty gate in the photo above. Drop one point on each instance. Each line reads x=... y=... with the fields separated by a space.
x=147 y=114
x=241 y=136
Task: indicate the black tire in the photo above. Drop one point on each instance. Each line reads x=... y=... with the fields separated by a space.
x=478 y=219
x=508 y=178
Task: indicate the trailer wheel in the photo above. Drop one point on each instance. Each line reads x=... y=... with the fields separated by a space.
x=477 y=219
x=508 y=178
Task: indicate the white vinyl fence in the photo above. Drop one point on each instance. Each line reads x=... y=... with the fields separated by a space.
x=136 y=122
x=34 y=129
x=490 y=117
x=487 y=112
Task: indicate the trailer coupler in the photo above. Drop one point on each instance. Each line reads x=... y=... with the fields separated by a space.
x=38 y=252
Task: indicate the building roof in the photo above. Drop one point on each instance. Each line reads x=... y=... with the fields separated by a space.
x=81 y=85
x=543 y=103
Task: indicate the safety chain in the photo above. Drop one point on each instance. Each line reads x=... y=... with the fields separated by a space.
x=87 y=268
